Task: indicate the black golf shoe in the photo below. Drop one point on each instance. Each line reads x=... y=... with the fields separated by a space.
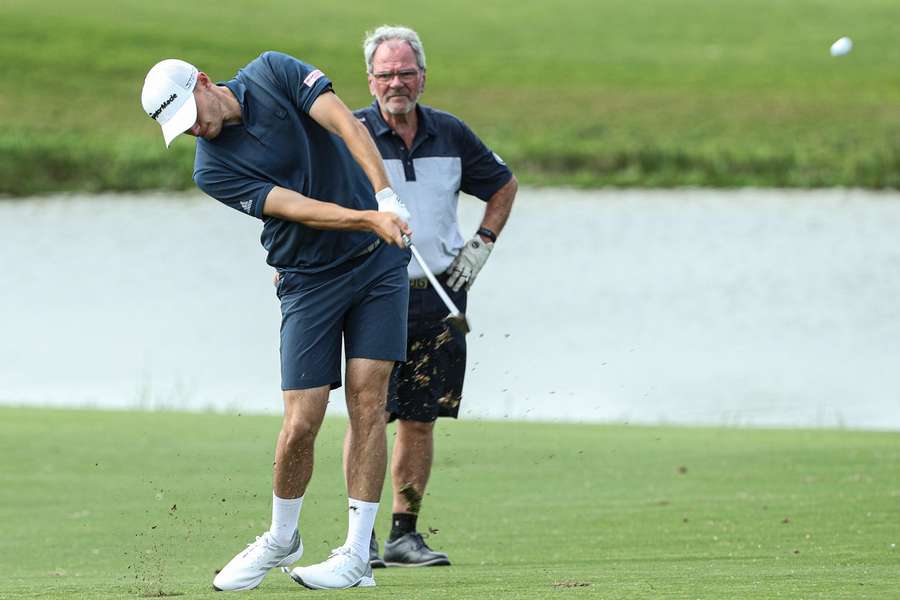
x=410 y=550
x=374 y=560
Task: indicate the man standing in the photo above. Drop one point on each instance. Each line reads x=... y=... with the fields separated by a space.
x=429 y=156
x=276 y=143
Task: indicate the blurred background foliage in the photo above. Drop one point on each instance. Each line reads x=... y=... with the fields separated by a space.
x=575 y=92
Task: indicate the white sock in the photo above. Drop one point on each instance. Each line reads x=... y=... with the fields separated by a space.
x=361 y=517
x=285 y=514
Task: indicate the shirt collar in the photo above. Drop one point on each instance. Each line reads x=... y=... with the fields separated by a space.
x=240 y=91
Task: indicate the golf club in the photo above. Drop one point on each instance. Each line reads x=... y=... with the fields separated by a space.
x=456 y=318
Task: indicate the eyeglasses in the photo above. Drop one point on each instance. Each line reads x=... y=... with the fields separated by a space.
x=406 y=76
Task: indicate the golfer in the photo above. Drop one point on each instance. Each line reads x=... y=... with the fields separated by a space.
x=277 y=144
x=429 y=156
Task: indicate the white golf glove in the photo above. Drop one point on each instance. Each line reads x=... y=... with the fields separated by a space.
x=388 y=201
x=468 y=263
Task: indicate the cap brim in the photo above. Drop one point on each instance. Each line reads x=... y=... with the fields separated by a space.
x=181 y=121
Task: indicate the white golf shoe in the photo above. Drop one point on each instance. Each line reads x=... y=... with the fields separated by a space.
x=246 y=570
x=342 y=570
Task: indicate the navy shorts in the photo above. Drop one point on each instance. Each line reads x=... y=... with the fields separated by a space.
x=429 y=383
x=362 y=302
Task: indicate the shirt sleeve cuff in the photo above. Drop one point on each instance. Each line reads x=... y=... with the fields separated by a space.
x=260 y=203
x=319 y=87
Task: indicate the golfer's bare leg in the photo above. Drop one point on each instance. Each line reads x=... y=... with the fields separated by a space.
x=365 y=456
x=411 y=464
x=303 y=414
x=281 y=545
x=346 y=450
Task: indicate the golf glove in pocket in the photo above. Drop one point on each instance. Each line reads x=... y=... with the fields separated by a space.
x=468 y=263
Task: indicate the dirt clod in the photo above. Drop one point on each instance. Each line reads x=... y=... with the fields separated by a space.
x=412 y=497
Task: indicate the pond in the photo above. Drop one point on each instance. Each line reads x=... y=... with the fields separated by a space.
x=747 y=307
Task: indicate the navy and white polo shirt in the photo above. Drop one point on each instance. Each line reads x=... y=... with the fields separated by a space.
x=278 y=143
x=446 y=157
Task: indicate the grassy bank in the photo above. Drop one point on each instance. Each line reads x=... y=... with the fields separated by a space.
x=126 y=505
x=575 y=92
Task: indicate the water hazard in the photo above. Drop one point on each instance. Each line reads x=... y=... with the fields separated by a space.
x=698 y=307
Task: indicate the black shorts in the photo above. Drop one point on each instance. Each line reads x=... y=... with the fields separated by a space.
x=361 y=302
x=429 y=383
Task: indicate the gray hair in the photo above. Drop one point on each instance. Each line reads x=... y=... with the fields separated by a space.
x=392 y=32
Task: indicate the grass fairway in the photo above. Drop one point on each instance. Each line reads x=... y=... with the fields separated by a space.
x=127 y=505
x=578 y=92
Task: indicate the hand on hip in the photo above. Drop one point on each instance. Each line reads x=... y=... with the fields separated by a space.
x=468 y=263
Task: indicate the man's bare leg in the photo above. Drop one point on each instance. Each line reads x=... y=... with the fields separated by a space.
x=365 y=447
x=411 y=464
x=410 y=469
x=373 y=549
x=346 y=451
x=281 y=545
x=303 y=414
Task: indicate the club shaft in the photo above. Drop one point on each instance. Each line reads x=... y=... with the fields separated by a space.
x=434 y=282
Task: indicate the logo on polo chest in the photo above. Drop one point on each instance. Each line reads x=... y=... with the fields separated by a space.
x=163 y=106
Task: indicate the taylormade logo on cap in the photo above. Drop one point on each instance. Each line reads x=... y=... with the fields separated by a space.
x=171 y=99
x=168 y=96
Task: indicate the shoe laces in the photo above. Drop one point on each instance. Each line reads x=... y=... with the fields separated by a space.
x=340 y=552
x=260 y=543
x=419 y=540
x=339 y=558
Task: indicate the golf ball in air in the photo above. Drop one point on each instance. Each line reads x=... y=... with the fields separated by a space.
x=842 y=46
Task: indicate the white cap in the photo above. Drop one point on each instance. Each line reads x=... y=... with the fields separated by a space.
x=168 y=96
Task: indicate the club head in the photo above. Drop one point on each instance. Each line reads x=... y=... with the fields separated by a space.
x=459 y=322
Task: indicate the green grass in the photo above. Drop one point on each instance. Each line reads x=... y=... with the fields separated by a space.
x=578 y=92
x=129 y=504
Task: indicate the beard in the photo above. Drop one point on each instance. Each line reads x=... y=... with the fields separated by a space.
x=392 y=108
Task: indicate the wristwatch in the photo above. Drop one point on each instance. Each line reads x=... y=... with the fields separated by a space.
x=485 y=232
